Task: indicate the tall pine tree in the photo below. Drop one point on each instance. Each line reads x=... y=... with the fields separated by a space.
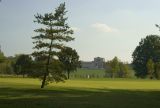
x=51 y=37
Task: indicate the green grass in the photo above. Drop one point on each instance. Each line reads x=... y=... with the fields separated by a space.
x=89 y=93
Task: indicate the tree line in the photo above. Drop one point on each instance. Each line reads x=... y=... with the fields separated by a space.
x=27 y=66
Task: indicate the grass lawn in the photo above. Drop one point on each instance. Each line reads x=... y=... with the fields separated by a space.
x=94 y=93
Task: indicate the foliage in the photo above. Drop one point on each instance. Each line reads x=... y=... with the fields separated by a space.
x=150 y=68
x=124 y=70
x=51 y=38
x=70 y=59
x=5 y=64
x=23 y=64
x=2 y=57
x=148 y=48
x=157 y=70
x=116 y=68
x=56 y=72
x=5 y=67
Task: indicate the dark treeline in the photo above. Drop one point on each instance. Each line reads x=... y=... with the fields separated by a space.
x=27 y=66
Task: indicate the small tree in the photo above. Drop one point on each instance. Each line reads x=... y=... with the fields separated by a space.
x=70 y=59
x=114 y=64
x=150 y=68
x=51 y=39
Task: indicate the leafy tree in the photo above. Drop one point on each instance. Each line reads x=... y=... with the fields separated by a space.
x=51 y=39
x=23 y=64
x=150 y=68
x=2 y=57
x=5 y=64
x=148 y=48
x=157 y=70
x=124 y=70
x=5 y=67
x=70 y=59
x=36 y=69
x=114 y=66
x=13 y=60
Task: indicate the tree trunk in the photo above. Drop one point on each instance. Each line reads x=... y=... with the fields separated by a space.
x=47 y=64
x=44 y=80
x=46 y=73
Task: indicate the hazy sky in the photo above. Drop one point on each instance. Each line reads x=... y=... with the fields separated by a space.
x=104 y=28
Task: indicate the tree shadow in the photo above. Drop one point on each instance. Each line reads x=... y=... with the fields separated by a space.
x=78 y=98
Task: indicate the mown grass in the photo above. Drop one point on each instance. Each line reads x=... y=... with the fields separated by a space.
x=95 y=93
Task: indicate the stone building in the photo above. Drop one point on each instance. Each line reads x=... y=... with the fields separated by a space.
x=98 y=63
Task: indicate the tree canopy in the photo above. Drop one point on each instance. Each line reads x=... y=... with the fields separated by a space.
x=148 y=48
x=70 y=59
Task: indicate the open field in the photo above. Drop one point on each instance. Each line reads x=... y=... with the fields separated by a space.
x=94 y=93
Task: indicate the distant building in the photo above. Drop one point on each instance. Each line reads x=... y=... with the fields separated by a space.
x=98 y=63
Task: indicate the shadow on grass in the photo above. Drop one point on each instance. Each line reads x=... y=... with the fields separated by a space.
x=77 y=98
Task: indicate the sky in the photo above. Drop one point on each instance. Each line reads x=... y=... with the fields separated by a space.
x=102 y=28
